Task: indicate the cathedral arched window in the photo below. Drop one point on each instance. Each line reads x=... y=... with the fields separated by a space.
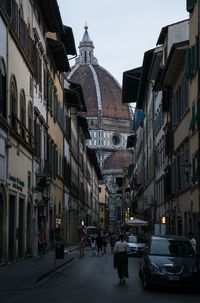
x=30 y=122
x=85 y=57
x=22 y=114
x=3 y=109
x=13 y=103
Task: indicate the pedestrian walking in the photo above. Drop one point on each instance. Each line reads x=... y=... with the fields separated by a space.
x=82 y=244
x=93 y=245
x=41 y=242
x=121 y=250
x=192 y=241
x=104 y=242
x=113 y=240
x=99 y=244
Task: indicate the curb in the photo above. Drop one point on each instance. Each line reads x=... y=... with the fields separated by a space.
x=52 y=271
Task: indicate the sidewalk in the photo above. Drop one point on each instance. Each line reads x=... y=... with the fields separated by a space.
x=29 y=272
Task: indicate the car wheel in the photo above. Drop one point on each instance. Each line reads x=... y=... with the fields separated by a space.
x=145 y=283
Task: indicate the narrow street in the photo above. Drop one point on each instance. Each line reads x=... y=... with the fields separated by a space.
x=93 y=279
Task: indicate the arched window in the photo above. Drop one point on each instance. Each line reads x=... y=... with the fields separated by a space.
x=13 y=103
x=30 y=122
x=3 y=109
x=23 y=114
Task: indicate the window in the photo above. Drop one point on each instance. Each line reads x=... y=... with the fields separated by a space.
x=22 y=114
x=45 y=82
x=37 y=136
x=13 y=103
x=39 y=71
x=30 y=121
x=29 y=180
x=116 y=140
x=2 y=88
x=50 y=88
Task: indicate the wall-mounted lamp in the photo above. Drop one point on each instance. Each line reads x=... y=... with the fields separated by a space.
x=163 y=219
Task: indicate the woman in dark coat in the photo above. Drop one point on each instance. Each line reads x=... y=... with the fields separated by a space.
x=121 y=250
x=99 y=243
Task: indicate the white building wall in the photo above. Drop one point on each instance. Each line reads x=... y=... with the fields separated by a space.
x=176 y=33
x=3 y=44
x=39 y=101
x=18 y=67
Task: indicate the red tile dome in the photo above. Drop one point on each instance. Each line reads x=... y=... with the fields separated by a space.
x=102 y=92
x=119 y=160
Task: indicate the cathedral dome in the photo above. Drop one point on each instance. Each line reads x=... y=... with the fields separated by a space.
x=118 y=160
x=101 y=90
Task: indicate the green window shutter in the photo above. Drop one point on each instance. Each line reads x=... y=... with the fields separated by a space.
x=56 y=162
x=193 y=119
x=195 y=167
x=53 y=99
x=187 y=64
x=48 y=150
x=62 y=120
x=193 y=60
x=197 y=53
x=53 y=157
x=55 y=105
x=50 y=93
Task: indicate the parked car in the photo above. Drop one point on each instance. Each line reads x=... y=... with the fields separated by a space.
x=169 y=261
x=137 y=248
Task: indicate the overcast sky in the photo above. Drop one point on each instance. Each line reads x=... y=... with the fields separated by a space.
x=121 y=30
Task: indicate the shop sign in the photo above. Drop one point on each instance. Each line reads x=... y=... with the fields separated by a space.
x=17 y=183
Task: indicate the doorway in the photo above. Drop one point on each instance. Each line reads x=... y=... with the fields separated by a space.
x=12 y=228
x=21 y=229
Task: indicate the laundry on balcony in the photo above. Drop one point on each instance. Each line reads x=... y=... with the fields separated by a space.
x=138 y=119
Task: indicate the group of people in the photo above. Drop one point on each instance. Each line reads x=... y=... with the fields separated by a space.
x=120 y=248
x=98 y=244
x=118 y=245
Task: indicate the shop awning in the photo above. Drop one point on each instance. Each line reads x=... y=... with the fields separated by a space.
x=84 y=125
x=93 y=158
x=59 y=54
x=77 y=87
x=74 y=96
x=68 y=40
x=130 y=85
x=148 y=55
x=175 y=60
x=51 y=14
x=136 y=222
